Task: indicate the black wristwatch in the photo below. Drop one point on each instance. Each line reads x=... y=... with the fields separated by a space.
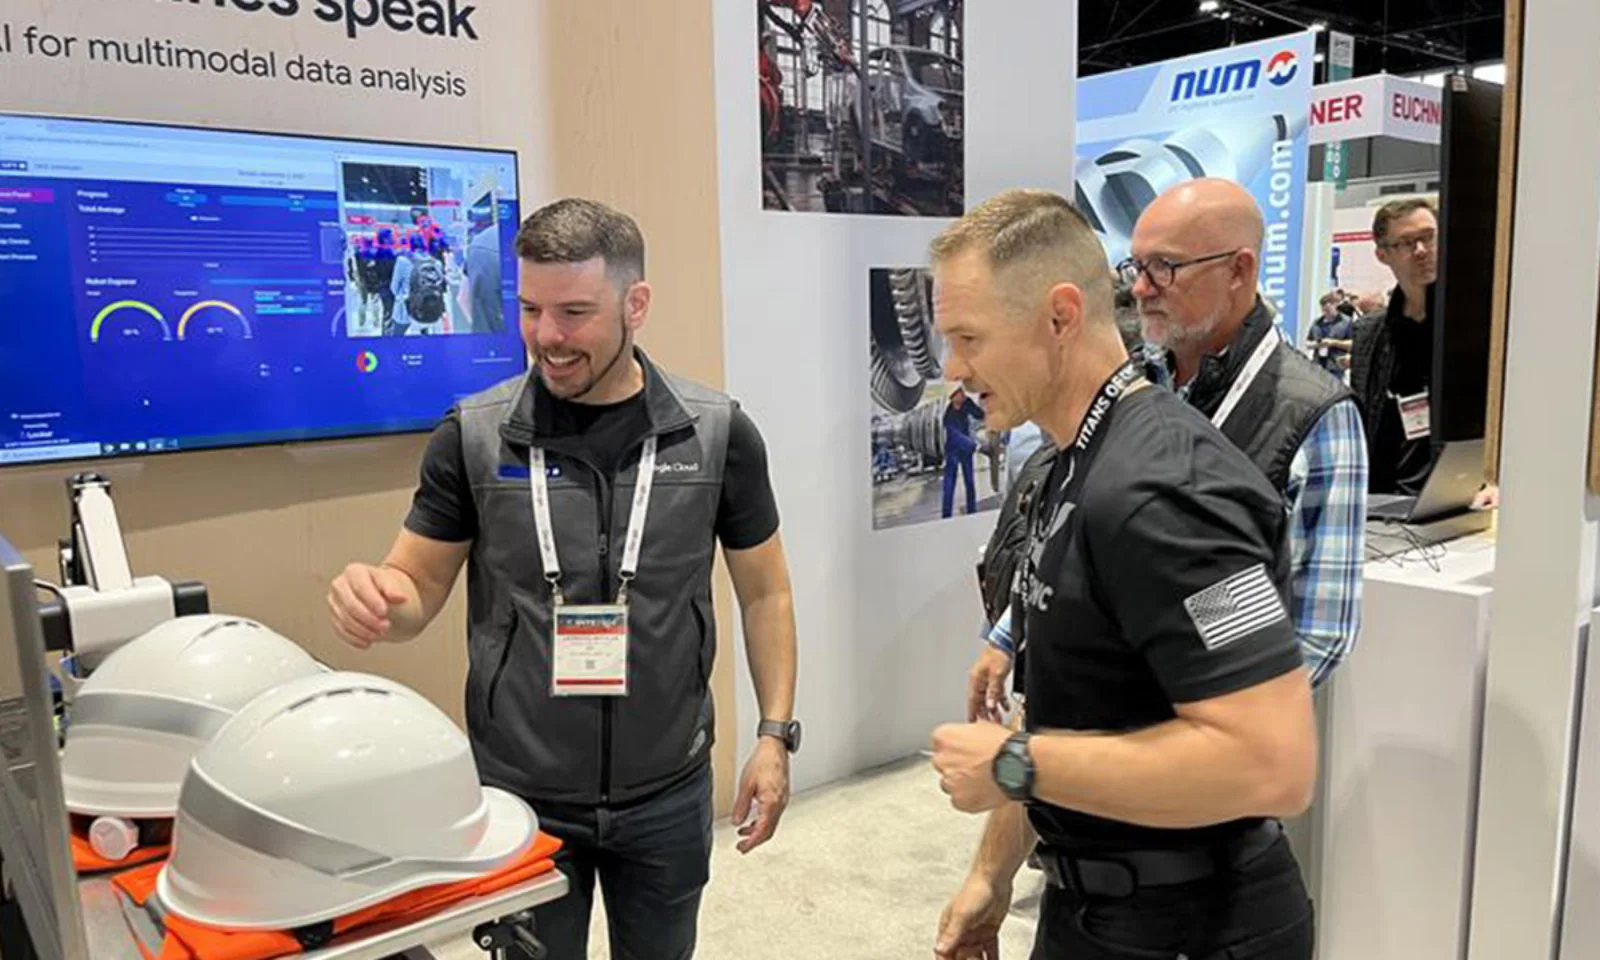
x=787 y=732
x=1013 y=768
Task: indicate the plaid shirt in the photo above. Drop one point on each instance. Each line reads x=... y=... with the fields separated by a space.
x=1327 y=501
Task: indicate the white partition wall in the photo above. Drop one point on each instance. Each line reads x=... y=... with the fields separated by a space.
x=888 y=619
x=1544 y=572
x=1580 y=934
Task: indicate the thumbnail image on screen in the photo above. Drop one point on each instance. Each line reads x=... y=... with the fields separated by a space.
x=169 y=288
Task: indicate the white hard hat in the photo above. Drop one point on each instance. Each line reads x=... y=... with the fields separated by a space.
x=138 y=719
x=328 y=795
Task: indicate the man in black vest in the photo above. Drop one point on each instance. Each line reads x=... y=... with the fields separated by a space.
x=588 y=498
x=1196 y=258
x=1391 y=365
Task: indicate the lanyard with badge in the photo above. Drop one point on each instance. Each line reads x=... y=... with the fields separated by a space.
x=589 y=642
x=1247 y=376
x=1048 y=522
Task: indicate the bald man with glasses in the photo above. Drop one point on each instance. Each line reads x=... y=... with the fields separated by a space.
x=1196 y=253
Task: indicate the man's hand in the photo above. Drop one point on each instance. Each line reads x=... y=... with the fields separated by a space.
x=986 y=686
x=766 y=782
x=360 y=600
x=970 y=926
x=963 y=753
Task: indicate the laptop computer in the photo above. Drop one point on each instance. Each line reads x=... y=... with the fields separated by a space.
x=1452 y=484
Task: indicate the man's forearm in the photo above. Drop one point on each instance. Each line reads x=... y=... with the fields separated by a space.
x=770 y=644
x=1177 y=774
x=1008 y=838
x=408 y=619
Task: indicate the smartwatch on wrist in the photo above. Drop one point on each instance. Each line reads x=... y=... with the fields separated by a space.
x=1013 y=768
x=786 y=732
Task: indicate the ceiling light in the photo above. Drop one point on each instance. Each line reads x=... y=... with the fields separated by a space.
x=1318 y=27
x=1319 y=57
x=1224 y=15
x=1209 y=6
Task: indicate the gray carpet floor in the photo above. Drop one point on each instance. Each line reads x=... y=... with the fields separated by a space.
x=859 y=869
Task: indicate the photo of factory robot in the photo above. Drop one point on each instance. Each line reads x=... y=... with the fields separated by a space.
x=932 y=456
x=827 y=147
x=1115 y=182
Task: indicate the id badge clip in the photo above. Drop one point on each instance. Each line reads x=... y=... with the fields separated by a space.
x=1416 y=416
x=590 y=651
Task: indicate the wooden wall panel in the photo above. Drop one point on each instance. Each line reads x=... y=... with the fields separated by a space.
x=632 y=121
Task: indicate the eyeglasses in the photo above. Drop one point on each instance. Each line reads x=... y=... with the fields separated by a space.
x=1427 y=241
x=1161 y=271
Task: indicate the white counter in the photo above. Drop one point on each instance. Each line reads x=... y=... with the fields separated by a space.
x=1402 y=722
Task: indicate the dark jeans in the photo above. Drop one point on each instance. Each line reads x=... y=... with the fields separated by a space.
x=652 y=859
x=951 y=464
x=1258 y=912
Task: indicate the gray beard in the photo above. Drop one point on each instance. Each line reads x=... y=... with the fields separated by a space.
x=1181 y=339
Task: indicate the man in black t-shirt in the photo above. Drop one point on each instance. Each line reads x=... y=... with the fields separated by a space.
x=587 y=499
x=1168 y=720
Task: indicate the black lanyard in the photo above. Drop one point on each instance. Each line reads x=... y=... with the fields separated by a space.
x=1048 y=521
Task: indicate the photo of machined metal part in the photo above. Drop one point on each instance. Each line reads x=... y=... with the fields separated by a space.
x=1115 y=185
x=927 y=433
x=907 y=350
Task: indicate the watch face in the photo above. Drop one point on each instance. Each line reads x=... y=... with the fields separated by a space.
x=1010 y=772
x=792 y=734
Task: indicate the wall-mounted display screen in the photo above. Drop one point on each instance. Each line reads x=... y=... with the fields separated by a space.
x=170 y=288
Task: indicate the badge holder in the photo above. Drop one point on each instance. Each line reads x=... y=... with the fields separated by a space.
x=1416 y=415
x=589 y=648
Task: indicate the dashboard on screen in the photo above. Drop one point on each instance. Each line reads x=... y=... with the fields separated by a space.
x=171 y=288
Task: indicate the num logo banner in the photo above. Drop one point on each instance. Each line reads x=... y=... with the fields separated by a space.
x=1241 y=113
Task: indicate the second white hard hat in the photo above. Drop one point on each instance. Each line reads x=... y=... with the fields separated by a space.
x=137 y=721
x=328 y=795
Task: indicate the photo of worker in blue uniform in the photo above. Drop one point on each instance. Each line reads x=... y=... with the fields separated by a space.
x=961 y=418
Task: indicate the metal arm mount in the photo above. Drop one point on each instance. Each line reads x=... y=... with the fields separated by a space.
x=510 y=933
x=101 y=605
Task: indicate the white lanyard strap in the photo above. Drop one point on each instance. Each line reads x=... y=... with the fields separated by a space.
x=540 y=485
x=1247 y=376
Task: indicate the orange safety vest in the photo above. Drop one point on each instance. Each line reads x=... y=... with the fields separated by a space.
x=187 y=940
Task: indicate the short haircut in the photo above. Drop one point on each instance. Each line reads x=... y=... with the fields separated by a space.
x=575 y=230
x=1396 y=210
x=1033 y=240
x=1328 y=298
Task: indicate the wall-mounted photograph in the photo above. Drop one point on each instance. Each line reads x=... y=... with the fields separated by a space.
x=933 y=457
x=862 y=107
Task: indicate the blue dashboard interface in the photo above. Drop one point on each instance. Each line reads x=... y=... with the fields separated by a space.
x=166 y=288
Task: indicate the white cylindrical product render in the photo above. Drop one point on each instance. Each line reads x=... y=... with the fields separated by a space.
x=113 y=838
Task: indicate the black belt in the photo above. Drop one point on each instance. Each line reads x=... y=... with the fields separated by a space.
x=1121 y=873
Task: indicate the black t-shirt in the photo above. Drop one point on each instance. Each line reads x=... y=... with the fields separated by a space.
x=1165 y=584
x=1399 y=465
x=443 y=508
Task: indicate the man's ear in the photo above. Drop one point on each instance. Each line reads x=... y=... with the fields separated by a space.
x=1066 y=309
x=636 y=304
x=1247 y=267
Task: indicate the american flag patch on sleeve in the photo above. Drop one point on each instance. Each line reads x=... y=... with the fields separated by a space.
x=1237 y=607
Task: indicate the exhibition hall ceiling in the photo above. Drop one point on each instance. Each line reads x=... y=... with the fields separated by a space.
x=1392 y=36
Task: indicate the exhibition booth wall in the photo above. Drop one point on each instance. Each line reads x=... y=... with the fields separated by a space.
x=886 y=598
x=607 y=98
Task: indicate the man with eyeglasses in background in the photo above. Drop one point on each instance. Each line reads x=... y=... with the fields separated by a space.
x=1391 y=362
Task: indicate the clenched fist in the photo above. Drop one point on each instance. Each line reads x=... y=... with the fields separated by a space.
x=361 y=600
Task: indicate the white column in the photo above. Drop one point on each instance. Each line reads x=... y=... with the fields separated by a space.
x=1544 y=576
